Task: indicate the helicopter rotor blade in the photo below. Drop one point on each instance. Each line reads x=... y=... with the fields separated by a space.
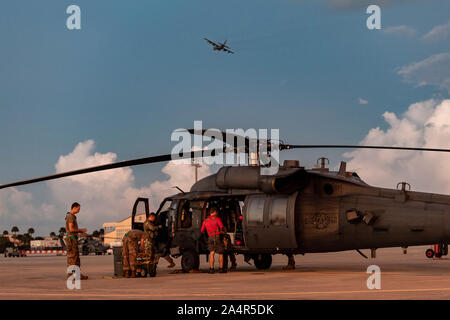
x=330 y=146
x=200 y=154
x=283 y=146
x=223 y=136
x=116 y=165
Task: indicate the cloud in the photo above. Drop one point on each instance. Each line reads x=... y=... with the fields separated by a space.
x=402 y=30
x=438 y=33
x=17 y=209
x=104 y=196
x=434 y=71
x=424 y=124
x=109 y=195
x=362 y=101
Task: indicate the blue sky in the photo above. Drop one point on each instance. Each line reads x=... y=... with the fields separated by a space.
x=137 y=70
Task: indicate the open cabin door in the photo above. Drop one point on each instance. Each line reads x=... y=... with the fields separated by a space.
x=269 y=222
x=140 y=208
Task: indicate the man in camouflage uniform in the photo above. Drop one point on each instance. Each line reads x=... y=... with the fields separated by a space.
x=151 y=232
x=229 y=254
x=130 y=250
x=71 y=239
x=291 y=262
x=169 y=259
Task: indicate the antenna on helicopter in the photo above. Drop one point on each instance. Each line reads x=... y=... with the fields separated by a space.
x=179 y=189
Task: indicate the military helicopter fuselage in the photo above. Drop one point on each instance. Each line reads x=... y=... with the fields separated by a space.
x=300 y=211
x=293 y=211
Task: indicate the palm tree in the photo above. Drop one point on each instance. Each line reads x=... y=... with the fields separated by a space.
x=26 y=238
x=102 y=234
x=52 y=234
x=95 y=233
x=14 y=230
x=62 y=230
x=30 y=232
x=5 y=233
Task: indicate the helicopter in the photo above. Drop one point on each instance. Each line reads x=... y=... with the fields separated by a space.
x=295 y=211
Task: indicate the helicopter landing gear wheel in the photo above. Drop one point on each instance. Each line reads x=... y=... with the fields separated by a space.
x=190 y=260
x=151 y=269
x=429 y=253
x=262 y=261
x=142 y=272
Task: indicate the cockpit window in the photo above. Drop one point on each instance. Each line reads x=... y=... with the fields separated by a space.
x=185 y=215
x=165 y=206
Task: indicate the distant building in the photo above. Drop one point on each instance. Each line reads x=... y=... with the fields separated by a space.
x=114 y=231
x=47 y=244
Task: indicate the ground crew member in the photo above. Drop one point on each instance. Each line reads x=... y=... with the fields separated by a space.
x=151 y=232
x=229 y=252
x=291 y=262
x=71 y=239
x=130 y=250
x=213 y=225
x=169 y=259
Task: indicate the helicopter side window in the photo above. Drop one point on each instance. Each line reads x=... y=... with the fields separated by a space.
x=255 y=213
x=185 y=215
x=278 y=211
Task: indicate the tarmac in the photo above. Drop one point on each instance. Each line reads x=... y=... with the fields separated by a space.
x=336 y=276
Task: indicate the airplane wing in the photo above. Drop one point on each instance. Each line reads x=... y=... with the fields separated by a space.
x=210 y=42
x=226 y=50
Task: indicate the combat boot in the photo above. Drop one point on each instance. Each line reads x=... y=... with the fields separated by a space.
x=83 y=277
x=133 y=274
x=233 y=266
x=223 y=270
x=211 y=270
x=126 y=273
x=289 y=267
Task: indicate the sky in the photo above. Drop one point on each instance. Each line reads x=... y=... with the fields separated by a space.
x=138 y=70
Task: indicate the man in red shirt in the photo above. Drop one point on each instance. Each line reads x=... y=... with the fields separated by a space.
x=213 y=225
